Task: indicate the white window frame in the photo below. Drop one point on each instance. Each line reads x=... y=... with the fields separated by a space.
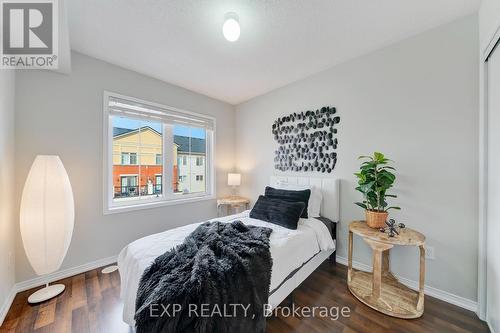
x=168 y=197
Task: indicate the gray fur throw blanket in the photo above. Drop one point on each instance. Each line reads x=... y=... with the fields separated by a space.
x=216 y=281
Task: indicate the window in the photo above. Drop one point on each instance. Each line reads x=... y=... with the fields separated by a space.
x=128 y=186
x=125 y=158
x=158 y=183
x=154 y=154
x=129 y=158
x=133 y=158
x=140 y=142
x=191 y=143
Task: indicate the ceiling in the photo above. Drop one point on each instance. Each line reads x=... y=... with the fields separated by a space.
x=181 y=41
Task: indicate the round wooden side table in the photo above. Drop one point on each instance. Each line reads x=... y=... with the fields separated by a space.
x=380 y=289
x=232 y=203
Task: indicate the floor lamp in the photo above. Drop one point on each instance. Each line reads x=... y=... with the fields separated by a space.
x=46 y=220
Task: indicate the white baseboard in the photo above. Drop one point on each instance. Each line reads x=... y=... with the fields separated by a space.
x=490 y=327
x=6 y=305
x=41 y=280
x=49 y=278
x=431 y=291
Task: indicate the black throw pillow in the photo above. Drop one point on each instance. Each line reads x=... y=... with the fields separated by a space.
x=291 y=196
x=280 y=212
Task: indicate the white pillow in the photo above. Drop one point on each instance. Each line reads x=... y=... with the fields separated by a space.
x=315 y=200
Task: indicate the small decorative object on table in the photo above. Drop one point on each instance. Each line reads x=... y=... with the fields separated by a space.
x=392 y=228
x=233 y=203
x=374 y=179
x=380 y=289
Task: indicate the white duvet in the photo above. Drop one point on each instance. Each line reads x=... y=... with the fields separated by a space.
x=290 y=249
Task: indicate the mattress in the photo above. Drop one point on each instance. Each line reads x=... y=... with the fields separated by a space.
x=290 y=250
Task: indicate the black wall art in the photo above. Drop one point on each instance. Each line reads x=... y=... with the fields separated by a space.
x=307 y=141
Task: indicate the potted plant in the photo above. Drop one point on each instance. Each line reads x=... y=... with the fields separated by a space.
x=374 y=179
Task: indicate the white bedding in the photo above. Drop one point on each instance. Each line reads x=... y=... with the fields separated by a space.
x=290 y=249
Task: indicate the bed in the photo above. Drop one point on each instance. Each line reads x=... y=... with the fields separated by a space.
x=295 y=253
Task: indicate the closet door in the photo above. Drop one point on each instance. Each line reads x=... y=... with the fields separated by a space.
x=493 y=201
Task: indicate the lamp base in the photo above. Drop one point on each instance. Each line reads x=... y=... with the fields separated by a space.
x=234 y=192
x=46 y=293
x=109 y=269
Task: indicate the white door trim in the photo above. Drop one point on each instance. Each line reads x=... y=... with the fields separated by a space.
x=483 y=177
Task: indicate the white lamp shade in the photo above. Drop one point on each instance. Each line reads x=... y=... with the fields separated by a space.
x=47 y=214
x=233 y=179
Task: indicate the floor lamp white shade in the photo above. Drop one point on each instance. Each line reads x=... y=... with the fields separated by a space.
x=46 y=219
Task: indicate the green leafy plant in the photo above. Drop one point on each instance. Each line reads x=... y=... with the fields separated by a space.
x=374 y=179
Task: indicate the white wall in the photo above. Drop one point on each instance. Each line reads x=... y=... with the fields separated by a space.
x=417 y=102
x=7 y=221
x=62 y=114
x=489 y=23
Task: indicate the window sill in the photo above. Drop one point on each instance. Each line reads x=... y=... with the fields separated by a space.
x=156 y=204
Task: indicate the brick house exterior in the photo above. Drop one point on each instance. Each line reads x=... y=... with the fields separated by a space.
x=144 y=146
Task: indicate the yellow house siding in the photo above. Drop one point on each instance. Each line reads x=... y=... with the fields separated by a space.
x=146 y=144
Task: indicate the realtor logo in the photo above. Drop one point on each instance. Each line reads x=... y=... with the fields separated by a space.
x=29 y=34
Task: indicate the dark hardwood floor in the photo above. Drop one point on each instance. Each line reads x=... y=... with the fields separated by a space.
x=91 y=303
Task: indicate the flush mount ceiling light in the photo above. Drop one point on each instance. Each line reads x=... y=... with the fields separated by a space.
x=231 y=27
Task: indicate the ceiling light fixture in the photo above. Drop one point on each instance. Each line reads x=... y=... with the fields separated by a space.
x=231 y=27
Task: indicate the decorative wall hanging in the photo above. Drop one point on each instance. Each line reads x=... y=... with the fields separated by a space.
x=307 y=141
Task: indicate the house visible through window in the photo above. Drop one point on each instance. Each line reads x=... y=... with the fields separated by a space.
x=141 y=138
x=191 y=149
